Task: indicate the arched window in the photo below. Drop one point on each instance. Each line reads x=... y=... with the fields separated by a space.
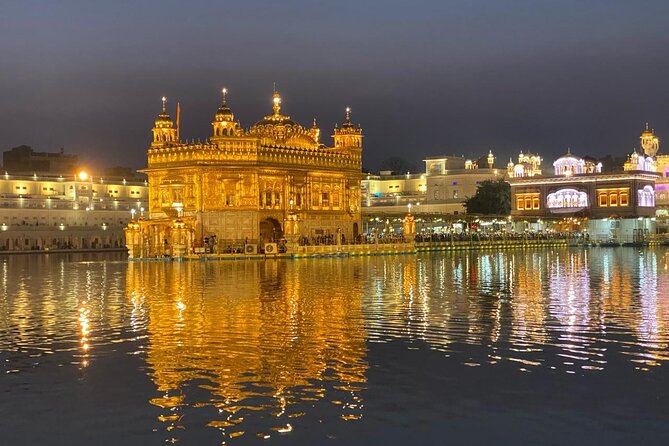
x=567 y=198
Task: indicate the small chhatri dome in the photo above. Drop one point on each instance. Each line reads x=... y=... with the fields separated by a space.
x=224 y=113
x=650 y=144
x=163 y=119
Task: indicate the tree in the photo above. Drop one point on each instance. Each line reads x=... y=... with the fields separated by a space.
x=491 y=198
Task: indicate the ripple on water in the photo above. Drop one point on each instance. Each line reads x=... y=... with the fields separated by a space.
x=256 y=349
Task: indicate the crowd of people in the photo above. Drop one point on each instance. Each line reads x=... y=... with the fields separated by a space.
x=212 y=245
x=485 y=236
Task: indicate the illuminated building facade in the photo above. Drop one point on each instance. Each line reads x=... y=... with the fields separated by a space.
x=528 y=165
x=390 y=189
x=46 y=212
x=447 y=182
x=451 y=180
x=650 y=145
x=274 y=180
x=615 y=204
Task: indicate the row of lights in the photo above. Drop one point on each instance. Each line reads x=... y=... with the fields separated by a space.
x=5 y=226
x=83 y=176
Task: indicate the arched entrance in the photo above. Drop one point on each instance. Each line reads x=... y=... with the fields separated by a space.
x=270 y=231
x=356 y=231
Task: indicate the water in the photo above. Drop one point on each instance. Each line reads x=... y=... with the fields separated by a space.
x=544 y=347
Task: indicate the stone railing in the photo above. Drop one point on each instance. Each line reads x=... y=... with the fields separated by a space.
x=359 y=249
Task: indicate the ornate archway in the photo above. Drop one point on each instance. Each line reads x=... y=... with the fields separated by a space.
x=270 y=230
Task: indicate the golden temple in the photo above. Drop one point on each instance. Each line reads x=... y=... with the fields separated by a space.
x=272 y=182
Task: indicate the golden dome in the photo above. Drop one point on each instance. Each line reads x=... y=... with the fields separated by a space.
x=224 y=113
x=279 y=130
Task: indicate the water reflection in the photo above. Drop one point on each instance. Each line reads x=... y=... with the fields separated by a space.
x=246 y=350
x=264 y=342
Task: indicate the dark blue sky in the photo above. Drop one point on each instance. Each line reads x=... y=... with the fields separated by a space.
x=423 y=77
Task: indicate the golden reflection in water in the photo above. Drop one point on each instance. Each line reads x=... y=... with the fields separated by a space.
x=256 y=336
x=529 y=305
x=258 y=348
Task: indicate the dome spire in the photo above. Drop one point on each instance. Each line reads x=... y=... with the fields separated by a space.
x=223 y=114
x=276 y=101
x=347 y=121
x=163 y=128
x=163 y=119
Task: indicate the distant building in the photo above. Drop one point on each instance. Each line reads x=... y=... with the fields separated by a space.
x=47 y=212
x=451 y=180
x=650 y=146
x=619 y=205
x=441 y=190
x=528 y=165
x=24 y=160
x=391 y=189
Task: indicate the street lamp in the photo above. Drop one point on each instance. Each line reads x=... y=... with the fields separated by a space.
x=132 y=213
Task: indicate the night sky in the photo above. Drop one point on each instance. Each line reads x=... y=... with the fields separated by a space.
x=422 y=77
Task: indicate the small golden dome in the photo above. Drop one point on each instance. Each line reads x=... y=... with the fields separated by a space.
x=224 y=113
x=163 y=119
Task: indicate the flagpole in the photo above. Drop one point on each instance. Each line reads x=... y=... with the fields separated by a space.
x=178 y=122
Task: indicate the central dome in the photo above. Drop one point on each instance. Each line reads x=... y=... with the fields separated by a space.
x=279 y=130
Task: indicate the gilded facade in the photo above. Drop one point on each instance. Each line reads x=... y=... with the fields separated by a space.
x=272 y=181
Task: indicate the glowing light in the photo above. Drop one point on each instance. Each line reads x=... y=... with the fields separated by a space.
x=83 y=176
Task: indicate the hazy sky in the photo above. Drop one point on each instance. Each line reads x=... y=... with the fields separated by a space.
x=422 y=77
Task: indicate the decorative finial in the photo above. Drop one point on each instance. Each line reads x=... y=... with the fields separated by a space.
x=225 y=94
x=568 y=150
x=314 y=125
x=347 y=121
x=276 y=99
x=646 y=126
x=164 y=99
